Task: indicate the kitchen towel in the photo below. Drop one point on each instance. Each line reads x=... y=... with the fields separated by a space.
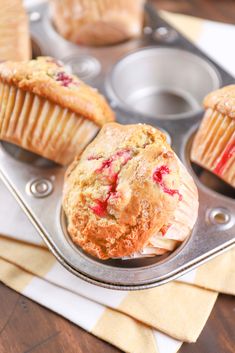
x=155 y=320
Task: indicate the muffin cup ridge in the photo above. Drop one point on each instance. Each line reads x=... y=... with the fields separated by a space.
x=214 y=145
x=182 y=222
x=41 y=126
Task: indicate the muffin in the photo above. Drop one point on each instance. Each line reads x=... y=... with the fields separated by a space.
x=214 y=144
x=48 y=111
x=14 y=31
x=129 y=195
x=98 y=22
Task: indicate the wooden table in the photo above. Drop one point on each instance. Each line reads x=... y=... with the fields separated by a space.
x=27 y=327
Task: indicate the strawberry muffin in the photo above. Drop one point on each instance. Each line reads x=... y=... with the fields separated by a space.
x=48 y=111
x=128 y=195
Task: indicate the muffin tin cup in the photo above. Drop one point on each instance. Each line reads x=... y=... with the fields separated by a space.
x=162 y=83
x=214 y=231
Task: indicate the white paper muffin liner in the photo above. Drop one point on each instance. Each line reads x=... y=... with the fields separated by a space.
x=214 y=145
x=41 y=126
x=181 y=224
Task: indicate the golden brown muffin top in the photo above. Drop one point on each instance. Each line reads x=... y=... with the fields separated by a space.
x=124 y=187
x=46 y=77
x=222 y=100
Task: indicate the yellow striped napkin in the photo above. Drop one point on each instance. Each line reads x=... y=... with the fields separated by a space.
x=156 y=320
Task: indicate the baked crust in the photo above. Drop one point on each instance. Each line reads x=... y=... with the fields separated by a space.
x=123 y=188
x=14 y=31
x=47 y=78
x=222 y=100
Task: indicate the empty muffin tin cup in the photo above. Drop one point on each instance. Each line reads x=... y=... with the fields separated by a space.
x=162 y=82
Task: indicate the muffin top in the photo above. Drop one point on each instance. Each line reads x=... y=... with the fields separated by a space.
x=222 y=100
x=122 y=189
x=46 y=77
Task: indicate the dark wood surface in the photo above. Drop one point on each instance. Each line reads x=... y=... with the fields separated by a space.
x=216 y=10
x=27 y=327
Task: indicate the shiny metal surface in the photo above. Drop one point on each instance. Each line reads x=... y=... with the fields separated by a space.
x=163 y=82
x=85 y=66
x=34 y=16
x=19 y=168
x=165 y=35
x=39 y=187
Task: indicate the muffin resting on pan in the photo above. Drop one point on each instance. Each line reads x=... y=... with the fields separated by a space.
x=48 y=111
x=214 y=144
x=14 y=31
x=129 y=195
x=98 y=22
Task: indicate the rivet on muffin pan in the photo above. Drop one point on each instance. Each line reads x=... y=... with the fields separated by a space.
x=147 y=30
x=34 y=16
x=85 y=66
x=40 y=187
x=221 y=217
x=165 y=35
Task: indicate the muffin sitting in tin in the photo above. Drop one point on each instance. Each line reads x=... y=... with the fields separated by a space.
x=214 y=144
x=48 y=111
x=129 y=195
x=98 y=22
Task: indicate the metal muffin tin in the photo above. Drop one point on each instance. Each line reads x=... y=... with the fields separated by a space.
x=159 y=79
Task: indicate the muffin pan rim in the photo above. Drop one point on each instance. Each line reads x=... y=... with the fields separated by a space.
x=114 y=96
